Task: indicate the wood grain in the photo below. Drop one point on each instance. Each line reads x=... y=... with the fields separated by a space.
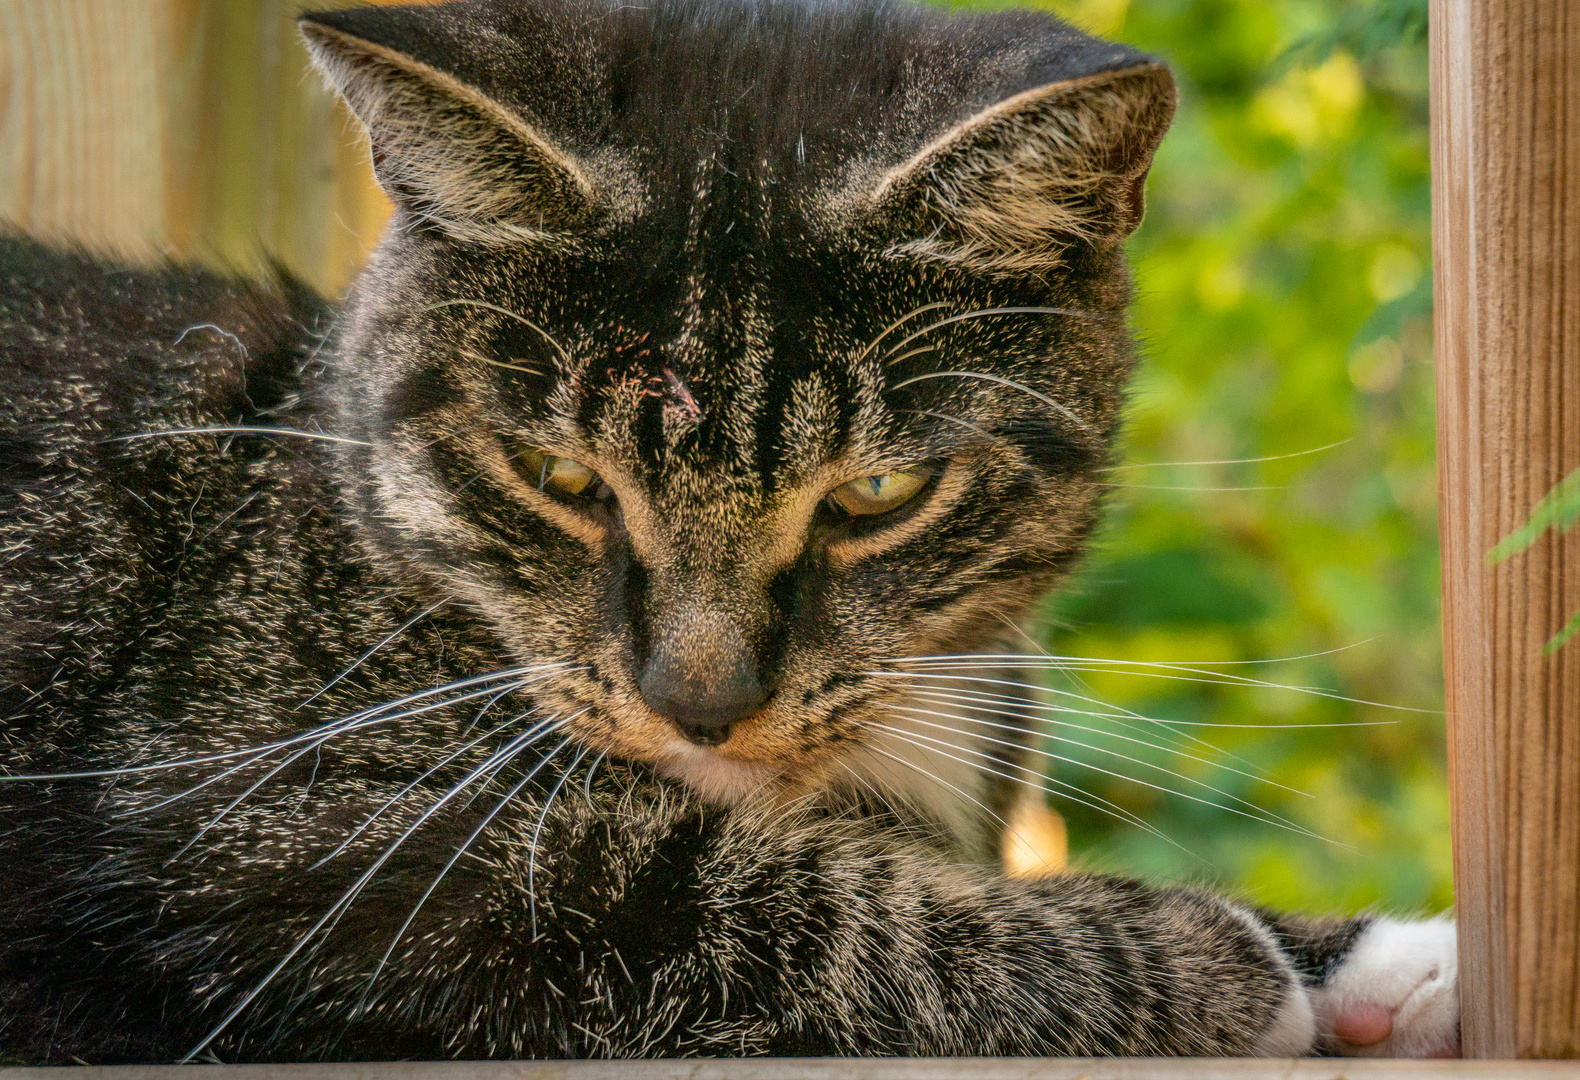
x=1506 y=220
x=190 y=128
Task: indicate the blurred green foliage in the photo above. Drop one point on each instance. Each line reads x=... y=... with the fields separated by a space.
x=1285 y=309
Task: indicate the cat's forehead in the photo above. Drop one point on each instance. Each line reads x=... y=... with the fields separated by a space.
x=787 y=84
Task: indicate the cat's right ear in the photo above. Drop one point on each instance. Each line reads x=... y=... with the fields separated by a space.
x=1012 y=188
x=446 y=152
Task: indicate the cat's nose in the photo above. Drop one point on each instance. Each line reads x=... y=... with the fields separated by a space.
x=702 y=676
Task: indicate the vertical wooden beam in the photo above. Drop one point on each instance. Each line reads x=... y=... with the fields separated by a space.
x=1506 y=221
x=180 y=127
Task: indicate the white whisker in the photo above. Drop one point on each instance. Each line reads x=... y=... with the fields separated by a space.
x=982 y=312
x=359 y=661
x=537 y=832
x=462 y=302
x=465 y=845
x=896 y=324
x=984 y=376
x=1225 y=461
x=242 y=430
x=331 y=916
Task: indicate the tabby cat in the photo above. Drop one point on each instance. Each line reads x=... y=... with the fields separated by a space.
x=514 y=659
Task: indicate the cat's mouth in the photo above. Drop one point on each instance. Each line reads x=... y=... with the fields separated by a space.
x=715 y=777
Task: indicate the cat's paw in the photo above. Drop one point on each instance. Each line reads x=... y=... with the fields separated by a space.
x=1396 y=994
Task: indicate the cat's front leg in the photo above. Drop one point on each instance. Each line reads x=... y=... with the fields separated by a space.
x=1379 y=987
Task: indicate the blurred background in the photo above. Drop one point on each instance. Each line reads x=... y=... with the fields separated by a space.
x=1275 y=521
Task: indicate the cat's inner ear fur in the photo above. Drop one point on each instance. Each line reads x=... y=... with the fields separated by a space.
x=1011 y=188
x=449 y=154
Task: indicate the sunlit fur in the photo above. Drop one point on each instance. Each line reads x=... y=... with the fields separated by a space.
x=331 y=729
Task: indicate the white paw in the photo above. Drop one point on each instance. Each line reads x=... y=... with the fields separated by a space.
x=1396 y=994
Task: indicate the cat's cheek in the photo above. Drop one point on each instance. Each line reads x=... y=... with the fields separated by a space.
x=1396 y=994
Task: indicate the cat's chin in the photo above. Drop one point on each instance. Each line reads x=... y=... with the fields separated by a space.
x=714 y=777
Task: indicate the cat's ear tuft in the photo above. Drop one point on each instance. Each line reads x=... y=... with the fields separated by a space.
x=1012 y=188
x=446 y=152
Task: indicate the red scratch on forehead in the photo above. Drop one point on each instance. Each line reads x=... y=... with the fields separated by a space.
x=680 y=397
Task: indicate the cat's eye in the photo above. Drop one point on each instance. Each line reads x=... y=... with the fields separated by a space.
x=879 y=494
x=558 y=474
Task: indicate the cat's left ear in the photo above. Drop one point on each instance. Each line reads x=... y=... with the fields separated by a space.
x=1011 y=188
x=448 y=153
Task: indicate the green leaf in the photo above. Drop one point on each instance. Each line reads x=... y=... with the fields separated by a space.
x=1560 y=638
x=1560 y=509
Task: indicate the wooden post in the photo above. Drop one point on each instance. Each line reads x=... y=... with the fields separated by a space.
x=180 y=127
x=1506 y=221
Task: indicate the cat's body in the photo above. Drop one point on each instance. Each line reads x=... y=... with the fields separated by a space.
x=397 y=748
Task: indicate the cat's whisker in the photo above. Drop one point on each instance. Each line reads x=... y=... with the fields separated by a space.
x=984 y=763
x=1224 y=461
x=522 y=319
x=592 y=771
x=895 y=325
x=316 y=745
x=983 y=312
x=978 y=803
x=468 y=842
x=316 y=737
x=987 y=376
x=537 y=833
x=977 y=706
x=1192 y=487
x=914 y=352
x=1073 y=793
x=1128 y=719
x=1204 y=675
x=359 y=661
x=368 y=821
x=915 y=715
x=480 y=358
x=243 y=429
x=331 y=917
x=1262 y=815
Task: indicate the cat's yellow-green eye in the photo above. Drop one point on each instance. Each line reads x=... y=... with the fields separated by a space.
x=879 y=494
x=556 y=474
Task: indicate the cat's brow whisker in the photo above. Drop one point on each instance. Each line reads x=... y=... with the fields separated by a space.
x=895 y=325
x=359 y=661
x=331 y=917
x=983 y=312
x=1225 y=461
x=464 y=302
x=242 y=430
x=1271 y=817
x=466 y=844
x=985 y=376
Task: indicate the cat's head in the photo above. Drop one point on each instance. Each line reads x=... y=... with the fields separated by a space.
x=726 y=351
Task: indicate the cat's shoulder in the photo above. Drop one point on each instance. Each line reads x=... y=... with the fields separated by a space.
x=103 y=343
